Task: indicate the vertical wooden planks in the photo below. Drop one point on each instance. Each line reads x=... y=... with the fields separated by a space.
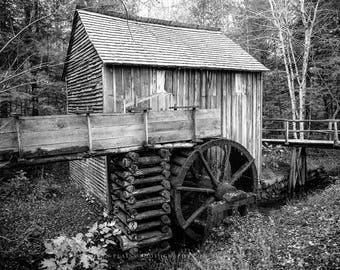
x=254 y=92
x=249 y=117
x=197 y=88
x=191 y=87
x=92 y=175
x=114 y=90
x=168 y=81
x=208 y=89
x=160 y=81
x=224 y=104
x=175 y=84
x=181 y=88
x=153 y=89
x=234 y=107
x=219 y=98
x=127 y=84
x=229 y=96
x=107 y=89
x=211 y=154
x=259 y=121
x=213 y=90
x=244 y=110
x=218 y=87
x=145 y=86
x=185 y=88
x=160 y=84
x=203 y=89
x=120 y=95
x=239 y=107
x=107 y=184
x=153 y=81
x=169 y=88
x=136 y=84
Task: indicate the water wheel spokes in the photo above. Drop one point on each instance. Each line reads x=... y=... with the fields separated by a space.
x=202 y=176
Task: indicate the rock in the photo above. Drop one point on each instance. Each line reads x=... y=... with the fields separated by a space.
x=35 y=231
x=234 y=195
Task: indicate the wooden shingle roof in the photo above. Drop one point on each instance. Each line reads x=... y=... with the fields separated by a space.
x=122 y=41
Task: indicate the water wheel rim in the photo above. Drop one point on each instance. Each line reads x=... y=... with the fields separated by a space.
x=178 y=184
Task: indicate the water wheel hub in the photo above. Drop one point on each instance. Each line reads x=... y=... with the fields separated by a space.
x=222 y=189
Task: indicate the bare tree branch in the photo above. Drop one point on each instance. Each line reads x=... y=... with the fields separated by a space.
x=31 y=69
x=16 y=86
x=22 y=30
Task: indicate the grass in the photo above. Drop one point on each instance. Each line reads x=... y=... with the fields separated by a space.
x=328 y=158
x=39 y=207
x=300 y=235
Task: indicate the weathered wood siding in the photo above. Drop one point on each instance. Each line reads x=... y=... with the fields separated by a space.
x=238 y=95
x=92 y=175
x=84 y=73
x=84 y=91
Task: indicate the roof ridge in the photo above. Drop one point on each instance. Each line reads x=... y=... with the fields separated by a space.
x=112 y=13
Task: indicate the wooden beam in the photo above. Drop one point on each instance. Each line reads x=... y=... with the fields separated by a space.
x=301 y=121
x=114 y=91
x=146 y=126
x=89 y=130
x=194 y=126
x=19 y=139
x=302 y=143
x=336 y=134
x=287 y=132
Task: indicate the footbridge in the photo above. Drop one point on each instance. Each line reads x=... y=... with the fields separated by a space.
x=302 y=133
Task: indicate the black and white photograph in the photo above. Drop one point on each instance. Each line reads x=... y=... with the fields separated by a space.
x=170 y=134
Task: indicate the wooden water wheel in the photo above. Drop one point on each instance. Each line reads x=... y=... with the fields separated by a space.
x=205 y=174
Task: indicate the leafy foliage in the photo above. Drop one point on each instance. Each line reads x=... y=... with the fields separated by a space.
x=325 y=63
x=73 y=253
x=82 y=251
x=17 y=185
x=275 y=156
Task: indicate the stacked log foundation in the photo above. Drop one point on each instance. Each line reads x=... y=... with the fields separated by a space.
x=140 y=195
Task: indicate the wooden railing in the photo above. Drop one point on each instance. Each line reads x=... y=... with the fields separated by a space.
x=289 y=132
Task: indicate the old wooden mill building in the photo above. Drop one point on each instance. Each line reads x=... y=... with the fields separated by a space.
x=168 y=117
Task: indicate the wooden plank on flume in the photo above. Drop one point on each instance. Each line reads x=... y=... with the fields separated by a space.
x=179 y=115
x=7 y=125
x=62 y=135
x=8 y=141
x=53 y=137
x=111 y=120
x=52 y=123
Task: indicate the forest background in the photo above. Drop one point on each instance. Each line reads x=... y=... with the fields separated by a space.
x=34 y=36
